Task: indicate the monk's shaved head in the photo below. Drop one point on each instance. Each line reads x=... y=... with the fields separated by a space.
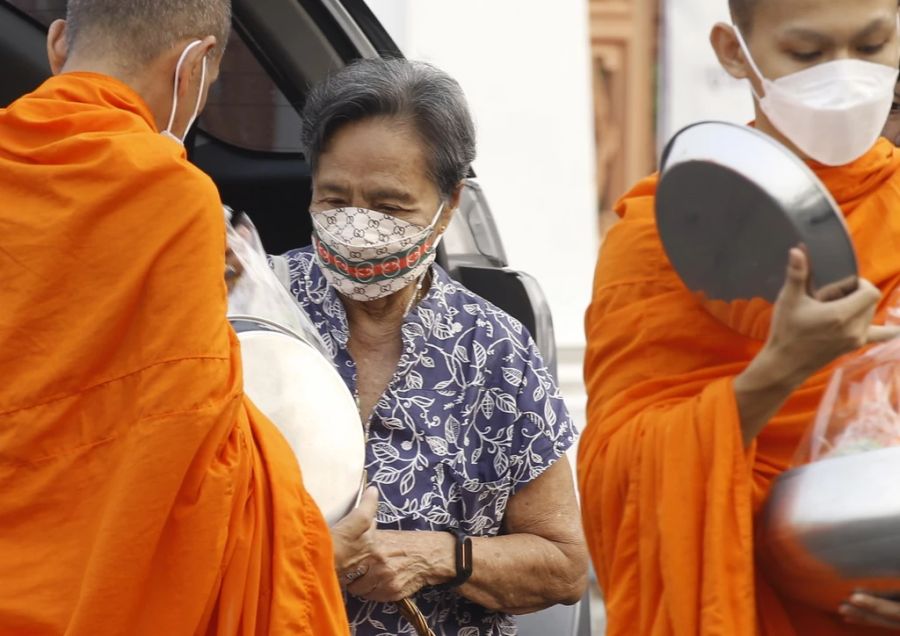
x=138 y=31
x=742 y=12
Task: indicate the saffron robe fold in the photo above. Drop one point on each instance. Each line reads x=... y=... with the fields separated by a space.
x=669 y=492
x=140 y=491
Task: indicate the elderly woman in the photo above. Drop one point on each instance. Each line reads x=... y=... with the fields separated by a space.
x=466 y=431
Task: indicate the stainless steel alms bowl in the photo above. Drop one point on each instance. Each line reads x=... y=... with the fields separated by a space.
x=832 y=527
x=732 y=202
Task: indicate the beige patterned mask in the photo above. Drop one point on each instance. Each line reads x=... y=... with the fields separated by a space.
x=366 y=255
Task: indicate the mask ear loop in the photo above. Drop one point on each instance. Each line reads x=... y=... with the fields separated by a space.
x=199 y=97
x=746 y=49
x=190 y=47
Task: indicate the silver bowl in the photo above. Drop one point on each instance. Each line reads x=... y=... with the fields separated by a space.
x=832 y=528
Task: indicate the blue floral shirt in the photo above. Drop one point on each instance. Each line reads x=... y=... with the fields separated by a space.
x=470 y=417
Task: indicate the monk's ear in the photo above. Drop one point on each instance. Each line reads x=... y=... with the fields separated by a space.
x=192 y=68
x=57 y=46
x=725 y=43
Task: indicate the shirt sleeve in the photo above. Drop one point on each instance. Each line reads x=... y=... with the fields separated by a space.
x=543 y=430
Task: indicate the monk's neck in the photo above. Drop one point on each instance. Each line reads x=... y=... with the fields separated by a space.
x=146 y=87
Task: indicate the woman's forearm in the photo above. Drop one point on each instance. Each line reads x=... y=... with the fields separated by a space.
x=522 y=573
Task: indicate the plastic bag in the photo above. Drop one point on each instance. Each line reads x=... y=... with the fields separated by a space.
x=256 y=291
x=860 y=411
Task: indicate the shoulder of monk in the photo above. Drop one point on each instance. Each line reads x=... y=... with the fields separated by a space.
x=159 y=161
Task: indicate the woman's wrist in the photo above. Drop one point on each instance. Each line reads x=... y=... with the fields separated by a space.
x=440 y=556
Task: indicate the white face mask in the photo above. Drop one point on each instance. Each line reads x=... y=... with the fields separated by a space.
x=168 y=131
x=833 y=112
x=367 y=255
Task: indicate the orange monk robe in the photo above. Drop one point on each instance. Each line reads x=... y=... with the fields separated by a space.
x=669 y=492
x=140 y=491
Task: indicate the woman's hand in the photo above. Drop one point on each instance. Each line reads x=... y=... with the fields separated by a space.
x=403 y=562
x=872 y=611
x=807 y=335
x=353 y=538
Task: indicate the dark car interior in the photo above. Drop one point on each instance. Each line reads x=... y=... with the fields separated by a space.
x=248 y=141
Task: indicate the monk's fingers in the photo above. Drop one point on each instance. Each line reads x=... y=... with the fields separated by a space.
x=872 y=610
x=856 y=616
x=796 y=281
x=233 y=268
x=838 y=290
x=879 y=333
x=864 y=299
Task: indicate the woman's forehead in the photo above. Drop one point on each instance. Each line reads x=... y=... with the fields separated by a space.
x=377 y=157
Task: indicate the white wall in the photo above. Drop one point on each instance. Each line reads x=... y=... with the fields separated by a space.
x=525 y=68
x=694 y=85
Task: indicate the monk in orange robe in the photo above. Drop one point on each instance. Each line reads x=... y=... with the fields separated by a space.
x=691 y=417
x=142 y=493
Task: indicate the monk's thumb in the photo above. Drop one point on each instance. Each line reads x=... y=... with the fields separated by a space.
x=796 y=282
x=879 y=334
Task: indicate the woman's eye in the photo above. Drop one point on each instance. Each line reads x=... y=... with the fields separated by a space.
x=895 y=108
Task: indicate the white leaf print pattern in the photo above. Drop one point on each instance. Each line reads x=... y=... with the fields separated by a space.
x=513 y=376
x=438 y=445
x=386 y=475
x=506 y=403
x=414 y=380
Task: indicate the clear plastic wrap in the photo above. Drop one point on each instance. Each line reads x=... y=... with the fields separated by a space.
x=255 y=290
x=860 y=411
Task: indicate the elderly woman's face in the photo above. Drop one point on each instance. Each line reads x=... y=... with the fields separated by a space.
x=377 y=164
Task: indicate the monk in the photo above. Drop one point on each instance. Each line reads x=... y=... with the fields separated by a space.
x=691 y=418
x=142 y=493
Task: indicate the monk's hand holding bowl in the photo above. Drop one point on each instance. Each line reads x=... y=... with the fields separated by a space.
x=872 y=611
x=806 y=335
x=233 y=269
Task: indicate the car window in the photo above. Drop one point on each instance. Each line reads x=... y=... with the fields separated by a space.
x=44 y=11
x=245 y=108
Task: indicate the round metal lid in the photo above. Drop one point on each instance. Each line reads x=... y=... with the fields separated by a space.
x=730 y=205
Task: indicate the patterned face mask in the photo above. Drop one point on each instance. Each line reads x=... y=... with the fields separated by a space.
x=367 y=255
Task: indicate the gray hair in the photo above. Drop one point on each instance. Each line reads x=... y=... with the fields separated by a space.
x=432 y=101
x=138 y=31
